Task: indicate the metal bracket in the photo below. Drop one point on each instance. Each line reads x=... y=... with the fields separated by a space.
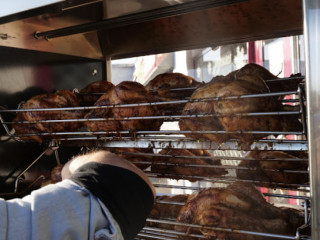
x=53 y=147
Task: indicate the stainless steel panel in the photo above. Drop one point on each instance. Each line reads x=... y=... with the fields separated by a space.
x=256 y=19
x=26 y=73
x=19 y=34
x=312 y=44
x=8 y=7
x=234 y=23
x=115 y=8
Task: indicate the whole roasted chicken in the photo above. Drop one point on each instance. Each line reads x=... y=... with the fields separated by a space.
x=170 y=87
x=241 y=206
x=273 y=168
x=60 y=99
x=233 y=115
x=138 y=156
x=91 y=93
x=179 y=166
x=274 y=85
x=124 y=93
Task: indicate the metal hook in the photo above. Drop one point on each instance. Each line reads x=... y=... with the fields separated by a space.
x=54 y=146
x=26 y=169
x=75 y=91
x=10 y=133
x=41 y=177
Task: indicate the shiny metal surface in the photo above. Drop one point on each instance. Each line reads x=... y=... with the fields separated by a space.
x=8 y=7
x=20 y=9
x=160 y=32
x=27 y=73
x=19 y=34
x=116 y=8
x=212 y=99
x=226 y=180
x=278 y=236
x=248 y=20
x=312 y=36
x=230 y=145
x=234 y=23
x=128 y=20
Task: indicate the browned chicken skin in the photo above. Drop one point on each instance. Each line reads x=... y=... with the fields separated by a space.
x=237 y=207
x=88 y=95
x=168 y=210
x=274 y=86
x=227 y=110
x=163 y=85
x=60 y=99
x=179 y=171
x=263 y=171
x=128 y=153
x=202 y=123
x=124 y=93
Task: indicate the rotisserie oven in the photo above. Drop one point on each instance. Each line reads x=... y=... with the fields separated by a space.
x=228 y=138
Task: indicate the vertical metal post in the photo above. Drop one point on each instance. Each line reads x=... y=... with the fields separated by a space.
x=296 y=55
x=311 y=10
x=108 y=65
x=306 y=211
x=108 y=69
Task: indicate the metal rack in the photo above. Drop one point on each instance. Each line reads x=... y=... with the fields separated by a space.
x=175 y=139
x=158 y=233
x=145 y=134
x=155 y=232
x=244 y=20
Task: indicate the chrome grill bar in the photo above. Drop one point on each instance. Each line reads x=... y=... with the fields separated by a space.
x=153 y=103
x=220 y=229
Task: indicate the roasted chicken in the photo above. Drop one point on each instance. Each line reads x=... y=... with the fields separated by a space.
x=227 y=112
x=60 y=99
x=268 y=168
x=170 y=87
x=124 y=93
x=179 y=166
x=240 y=206
x=91 y=93
x=138 y=156
x=167 y=208
x=274 y=86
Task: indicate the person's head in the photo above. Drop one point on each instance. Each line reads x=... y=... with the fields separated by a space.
x=104 y=157
x=122 y=187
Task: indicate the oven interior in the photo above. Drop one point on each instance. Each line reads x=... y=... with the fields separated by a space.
x=32 y=69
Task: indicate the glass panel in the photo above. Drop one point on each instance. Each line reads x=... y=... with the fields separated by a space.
x=282 y=56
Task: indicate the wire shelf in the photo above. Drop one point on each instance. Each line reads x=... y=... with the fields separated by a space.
x=177 y=139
